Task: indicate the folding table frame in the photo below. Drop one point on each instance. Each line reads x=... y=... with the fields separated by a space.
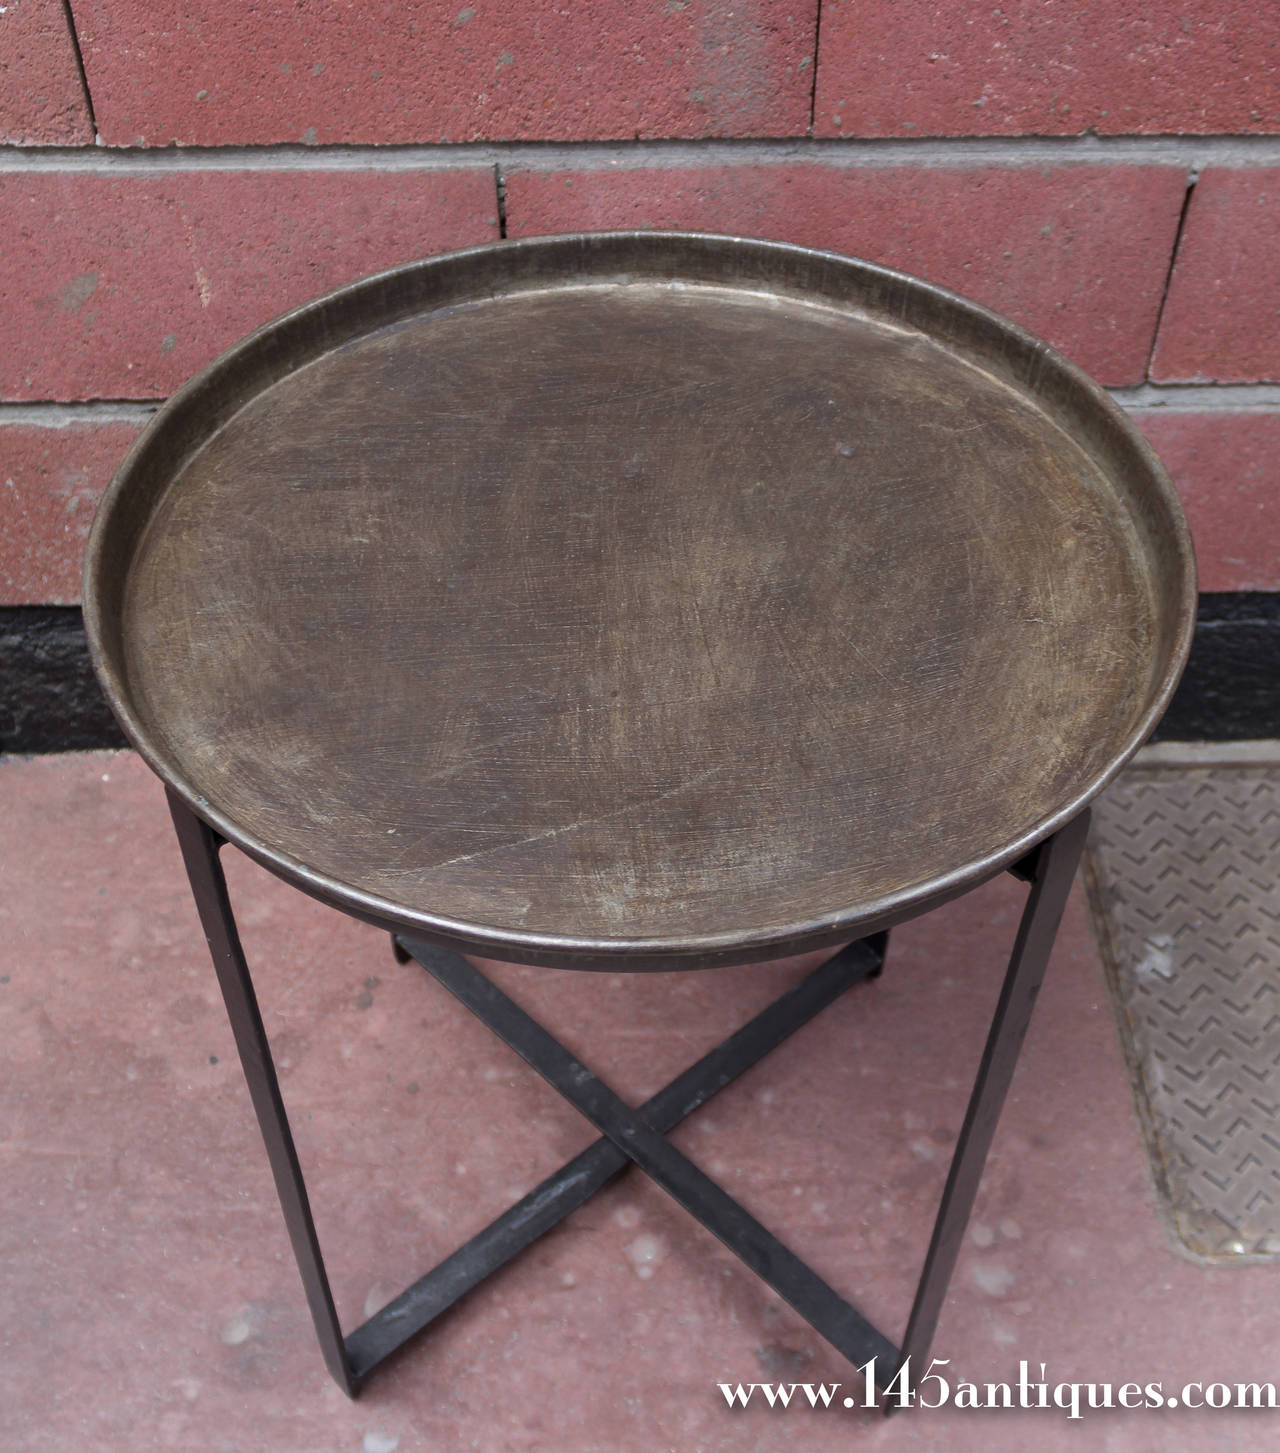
x=637 y=1134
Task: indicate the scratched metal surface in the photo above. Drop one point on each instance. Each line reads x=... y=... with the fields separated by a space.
x=1186 y=893
x=640 y=597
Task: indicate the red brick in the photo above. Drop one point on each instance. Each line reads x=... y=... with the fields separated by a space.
x=122 y=287
x=41 y=99
x=1221 y=321
x=1226 y=465
x=50 y=483
x=1077 y=254
x=1047 y=67
x=203 y=73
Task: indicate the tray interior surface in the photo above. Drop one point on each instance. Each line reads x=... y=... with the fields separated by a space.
x=641 y=612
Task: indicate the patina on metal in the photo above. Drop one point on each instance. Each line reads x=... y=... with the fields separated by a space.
x=621 y=599
x=639 y=601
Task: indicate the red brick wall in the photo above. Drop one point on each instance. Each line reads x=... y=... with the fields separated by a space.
x=174 y=172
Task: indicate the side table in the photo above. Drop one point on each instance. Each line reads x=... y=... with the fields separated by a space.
x=638 y=601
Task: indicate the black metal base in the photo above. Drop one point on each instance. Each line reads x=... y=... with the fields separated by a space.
x=629 y=1135
x=637 y=1135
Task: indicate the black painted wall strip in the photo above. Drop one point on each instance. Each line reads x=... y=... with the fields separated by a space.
x=50 y=702
x=1230 y=690
x=49 y=696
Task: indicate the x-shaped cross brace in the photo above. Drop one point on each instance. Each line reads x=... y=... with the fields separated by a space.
x=635 y=1135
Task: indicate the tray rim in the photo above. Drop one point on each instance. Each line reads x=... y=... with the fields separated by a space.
x=568 y=950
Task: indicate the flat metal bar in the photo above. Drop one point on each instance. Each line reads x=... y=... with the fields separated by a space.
x=200 y=847
x=1025 y=868
x=567 y=1189
x=819 y=1304
x=1054 y=870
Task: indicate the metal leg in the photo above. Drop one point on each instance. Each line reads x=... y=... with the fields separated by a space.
x=1050 y=872
x=200 y=847
x=880 y=942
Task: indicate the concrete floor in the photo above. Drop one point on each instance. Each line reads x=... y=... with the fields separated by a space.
x=150 y=1298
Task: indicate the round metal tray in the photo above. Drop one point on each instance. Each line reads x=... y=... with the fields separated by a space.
x=637 y=600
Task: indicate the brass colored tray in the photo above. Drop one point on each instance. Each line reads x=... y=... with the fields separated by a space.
x=639 y=600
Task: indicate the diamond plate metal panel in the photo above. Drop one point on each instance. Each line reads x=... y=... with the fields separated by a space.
x=1184 y=870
